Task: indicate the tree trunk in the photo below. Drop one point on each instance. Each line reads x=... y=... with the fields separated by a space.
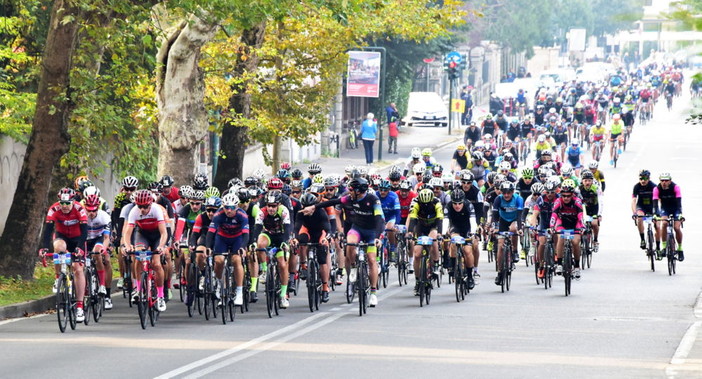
x=48 y=141
x=180 y=94
x=234 y=137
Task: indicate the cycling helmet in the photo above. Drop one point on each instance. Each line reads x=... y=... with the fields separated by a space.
x=287 y=190
x=416 y=153
x=296 y=184
x=92 y=202
x=527 y=173
x=185 y=191
x=308 y=199
x=274 y=197
x=213 y=202
x=230 y=200
x=234 y=182
x=155 y=187
x=130 y=181
x=479 y=145
x=491 y=177
x=447 y=177
x=244 y=194
x=617 y=100
x=425 y=196
x=488 y=116
x=66 y=194
x=437 y=169
x=567 y=186
x=405 y=185
x=363 y=171
x=84 y=184
x=555 y=178
x=274 y=184
x=575 y=142
x=92 y=190
x=436 y=182
x=665 y=176
x=212 y=191
x=198 y=195
x=461 y=147
x=283 y=174
x=331 y=181
x=200 y=182
x=250 y=181
x=505 y=166
x=259 y=174
x=487 y=136
x=645 y=173
x=542 y=138
x=500 y=113
x=296 y=173
x=592 y=165
x=395 y=175
x=550 y=186
x=579 y=106
x=426 y=152
x=508 y=157
x=419 y=168
x=586 y=174
x=167 y=181
x=316 y=188
x=567 y=171
x=318 y=178
x=314 y=168
x=458 y=196
x=384 y=184
x=552 y=119
x=78 y=181
x=537 y=188
x=477 y=156
x=426 y=177
x=144 y=197
x=506 y=186
x=468 y=176
x=546 y=152
x=285 y=166
x=616 y=116
x=359 y=185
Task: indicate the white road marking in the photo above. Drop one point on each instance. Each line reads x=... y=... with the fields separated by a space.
x=21 y=318
x=678 y=362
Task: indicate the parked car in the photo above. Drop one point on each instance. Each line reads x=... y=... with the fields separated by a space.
x=426 y=109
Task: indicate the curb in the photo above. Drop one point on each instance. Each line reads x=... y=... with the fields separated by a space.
x=435 y=147
x=27 y=308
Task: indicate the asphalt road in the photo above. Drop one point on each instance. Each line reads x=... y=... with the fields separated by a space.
x=622 y=320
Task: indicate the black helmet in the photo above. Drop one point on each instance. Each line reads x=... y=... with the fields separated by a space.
x=234 y=182
x=467 y=175
x=243 y=194
x=200 y=182
x=250 y=181
x=458 y=196
x=395 y=175
x=274 y=197
x=507 y=186
x=308 y=199
x=645 y=173
x=167 y=181
x=155 y=187
x=296 y=173
x=359 y=184
x=586 y=174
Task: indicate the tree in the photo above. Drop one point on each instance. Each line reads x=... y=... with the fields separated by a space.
x=47 y=143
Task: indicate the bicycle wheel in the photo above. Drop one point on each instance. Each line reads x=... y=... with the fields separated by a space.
x=207 y=294
x=190 y=290
x=458 y=276
x=277 y=290
x=671 y=255
x=181 y=279
x=153 y=296
x=72 y=321
x=141 y=303
x=98 y=307
x=567 y=260
x=363 y=287
x=505 y=255
x=427 y=278
x=350 y=290
x=62 y=303
x=508 y=272
x=270 y=292
x=421 y=278
x=548 y=269
x=128 y=286
x=88 y=298
x=651 y=252
x=311 y=282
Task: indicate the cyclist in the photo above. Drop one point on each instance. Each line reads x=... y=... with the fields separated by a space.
x=599 y=175
x=479 y=167
x=541 y=146
x=197 y=242
x=98 y=239
x=167 y=188
x=567 y=213
x=122 y=199
x=272 y=229
x=390 y=204
x=315 y=228
x=489 y=126
x=506 y=216
x=228 y=232
x=415 y=157
x=615 y=131
x=68 y=219
x=668 y=194
x=459 y=161
x=525 y=182
x=425 y=219
x=471 y=135
x=151 y=234
x=427 y=159
x=574 y=154
x=597 y=134
x=591 y=195
x=458 y=214
x=437 y=185
x=642 y=202
x=541 y=219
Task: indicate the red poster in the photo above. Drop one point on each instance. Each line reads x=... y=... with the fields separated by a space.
x=363 y=79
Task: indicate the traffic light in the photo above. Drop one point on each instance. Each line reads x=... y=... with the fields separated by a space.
x=453 y=70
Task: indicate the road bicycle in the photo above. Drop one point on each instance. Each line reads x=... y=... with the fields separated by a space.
x=649 y=238
x=426 y=274
x=587 y=244
x=94 y=301
x=362 y=284
x=462 y=276
x=568 y=261
x=227 y=291
x=273 y=285
x=146 y=293
x=314 y=279
x=402 y=256
x=506 y=264
x=65 y=290
x=670 y=250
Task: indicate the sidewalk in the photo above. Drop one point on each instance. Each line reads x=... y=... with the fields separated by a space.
x=410 y=137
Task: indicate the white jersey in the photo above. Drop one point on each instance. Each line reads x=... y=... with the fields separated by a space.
x=99 y=225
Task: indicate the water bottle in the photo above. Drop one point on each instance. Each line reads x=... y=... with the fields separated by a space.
x=57 y=259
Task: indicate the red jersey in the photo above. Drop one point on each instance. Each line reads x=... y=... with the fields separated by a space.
x=67 y=224
x=405 y=203
x=172 y=196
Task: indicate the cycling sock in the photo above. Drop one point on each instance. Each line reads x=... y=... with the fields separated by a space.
x=559 y=261
x=436 y=263
x=109 y=292
x=577 y=263
x=283 y=290
x=373 y=290
x=642 y=236
x=475 y=269
x=159 y=291
x=264 y=266
x=664 y=244
x=101 y=277
x=679 y=247
x=79 y=304
x=595 y=239
x=137 y=285
x=325 y=286
x=658 y=245
x=239 y=289
x=453 y=261
x=254 y=282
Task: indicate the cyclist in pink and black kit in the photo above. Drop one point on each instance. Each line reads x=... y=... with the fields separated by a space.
x=669 y=195
x=567 y=213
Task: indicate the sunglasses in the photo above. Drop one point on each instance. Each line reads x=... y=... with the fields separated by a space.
x=385 y=190
x=211 y=210
x=229 y=207
x=330 y=189
x=272 y=205
x=296 y=192
x=65 y=202
x=665 y=180
x=466 y=182
x=196 y=203
x=566 y=195
x=130 y=189
x=143 y=206
x=455 y=203
x=643 y=178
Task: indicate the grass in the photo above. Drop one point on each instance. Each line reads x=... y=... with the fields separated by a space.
x=13 y=290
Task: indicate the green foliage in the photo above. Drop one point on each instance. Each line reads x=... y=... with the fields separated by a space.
x=15 y=290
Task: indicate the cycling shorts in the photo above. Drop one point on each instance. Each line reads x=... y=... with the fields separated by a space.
x=224 y=244
x=275 y=240
x=147 y=241
x=423 y=230
x=364 y=235
x=560 y=138
x=592 y=210
x=644 y=209
x=504 y=225
x=614 y=137
x=90 y=244
x=675 y=213
x=71 y=243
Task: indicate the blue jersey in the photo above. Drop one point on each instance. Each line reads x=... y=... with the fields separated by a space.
x=509 y=210
x=230 y=227
x=391 y=206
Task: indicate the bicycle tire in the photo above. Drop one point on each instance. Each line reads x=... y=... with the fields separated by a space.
x=458 y=275
x=98 y=308
x=153 y=296
x=141 y=303
x=363 y=287
x=270 y=292
x=651 y=252
x=88 y=300
x=277 y=289
x=191 y=294
x=311 y=280
x=548 y=265
x=421 y=278
x=671 y=255
x=567 y=260
x=62 y=303
x=427 y=279
x=207 y=294
x=199 y=295
x=350 y=290
x=72 y=321
x=181 y=279
x=503 y=271
x=224 y=291
x=508 y=272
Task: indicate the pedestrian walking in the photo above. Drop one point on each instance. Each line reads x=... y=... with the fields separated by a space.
x=392 y=133
x=369 y=131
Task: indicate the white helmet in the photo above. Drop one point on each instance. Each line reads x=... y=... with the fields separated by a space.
x=419 y=168
x=447 y=177
x=487 y=136
x=479 y=144
x=567 y=171
x=230 y=200
x=555 y=179
x=416 y=153
x=259 y=174
x=436 y=182
x=542 y=138
x=505 y=166
x=92 y=190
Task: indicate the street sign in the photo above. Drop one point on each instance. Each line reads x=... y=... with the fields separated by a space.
x=458 y=105
x=454 y=56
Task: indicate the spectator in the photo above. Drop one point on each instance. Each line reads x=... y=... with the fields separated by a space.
x=369 y=131
x=468 y=110
x=393 y=132
x=391 y=111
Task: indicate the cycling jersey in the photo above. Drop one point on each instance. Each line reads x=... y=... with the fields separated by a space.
x=598 y=133
x=644 y=196
x=507 y=210
x=616 y=128
x=405 y=203
x=202 y=221
x=426 y=213
x=99 y=226
x=574 y=156
x=524 y=189
x=148 y=222
x=542 y=146
x=478 y=168
x=590 y=198
x=67 y=224
x=364 y=213
x=277 y=223
x=230 y=227
x=526 y=128
x=489 y=127
x=599 y=176
x=544 y=206
x=391 y=206
x=459 y=221
x=567 y=215
x=670 y=199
